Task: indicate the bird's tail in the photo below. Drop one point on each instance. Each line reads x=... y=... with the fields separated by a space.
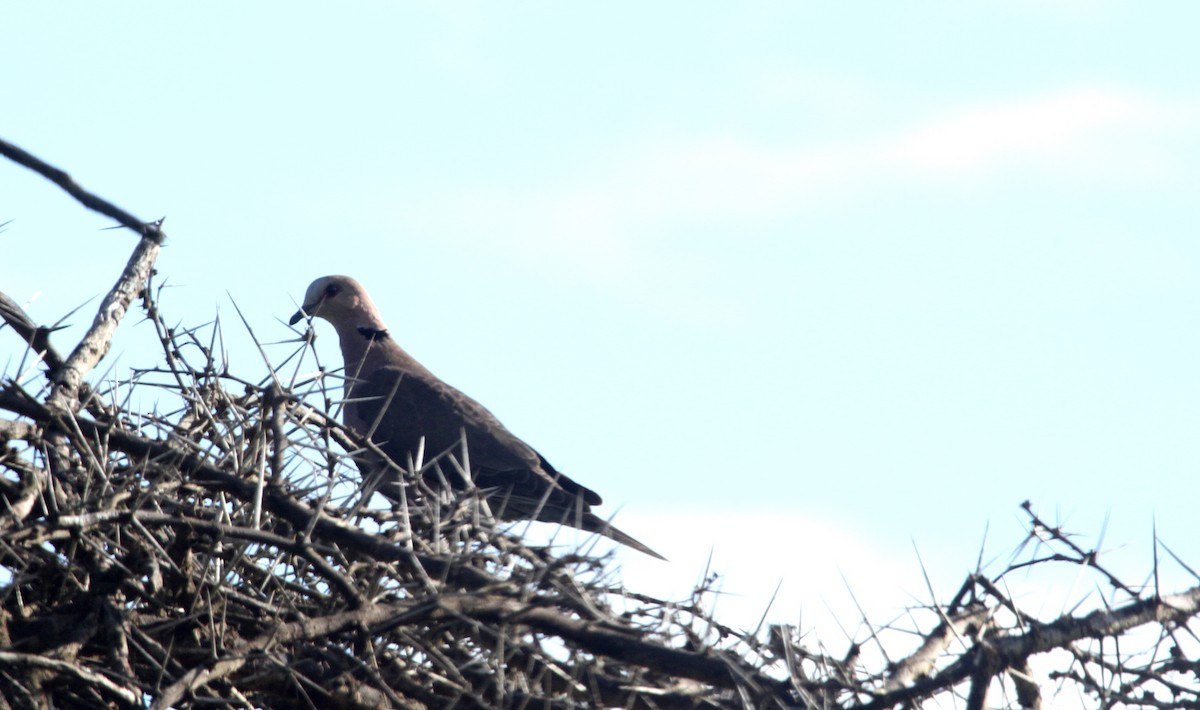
x=594 y=523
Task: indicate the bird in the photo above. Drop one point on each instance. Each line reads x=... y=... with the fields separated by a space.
x=398 y=404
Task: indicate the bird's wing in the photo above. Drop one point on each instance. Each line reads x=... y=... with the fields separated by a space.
x=398 y=407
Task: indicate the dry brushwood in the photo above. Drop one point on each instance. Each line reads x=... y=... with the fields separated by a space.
x=216 y=549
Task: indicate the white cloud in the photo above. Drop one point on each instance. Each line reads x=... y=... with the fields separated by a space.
x=601 y=227
x=819 y=568
x=1069 y=135
x=1037 y=132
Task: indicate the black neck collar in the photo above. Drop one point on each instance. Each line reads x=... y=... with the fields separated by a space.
x=373 y=334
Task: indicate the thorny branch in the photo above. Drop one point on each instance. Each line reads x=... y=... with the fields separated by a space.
x=218 y=549
x=148 y=230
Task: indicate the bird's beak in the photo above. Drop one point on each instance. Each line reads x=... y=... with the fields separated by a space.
x=305 y=311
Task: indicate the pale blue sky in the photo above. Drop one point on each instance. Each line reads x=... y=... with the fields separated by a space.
x=891 y=268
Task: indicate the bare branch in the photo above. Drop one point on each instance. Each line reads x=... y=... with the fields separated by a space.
x=36 y=336
x=96 y=342
x=77 y=674
x=146 y=230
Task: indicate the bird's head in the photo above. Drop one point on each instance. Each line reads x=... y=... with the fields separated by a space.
x=338 y=299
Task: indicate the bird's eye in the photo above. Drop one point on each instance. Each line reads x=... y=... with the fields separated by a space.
x=332 y=290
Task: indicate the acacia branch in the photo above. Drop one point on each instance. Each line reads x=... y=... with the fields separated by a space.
x=96 y=342
x=148 y=230
x=69 y=375
x=502 y=606
x=1013 y=651
x=77 y=674
x=36 y=336
x=490 y=609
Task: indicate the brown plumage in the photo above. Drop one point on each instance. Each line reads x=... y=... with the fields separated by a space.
x=395 y=401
